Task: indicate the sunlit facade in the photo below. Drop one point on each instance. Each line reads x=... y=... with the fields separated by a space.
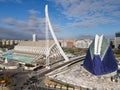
x=117 y=40
x=82 y=43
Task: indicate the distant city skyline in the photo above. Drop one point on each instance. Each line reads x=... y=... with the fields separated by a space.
x=71 y=19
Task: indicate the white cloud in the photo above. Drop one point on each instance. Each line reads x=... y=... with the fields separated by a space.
x=89 y=23
x=32 y=11
x=17 y=1
x=2 y=0
x=7 y=33
x=117 y=13
x=89 y=12
x=56 y=28
x=33 y=25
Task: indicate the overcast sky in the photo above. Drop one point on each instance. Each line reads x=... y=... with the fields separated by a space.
x=71 y=19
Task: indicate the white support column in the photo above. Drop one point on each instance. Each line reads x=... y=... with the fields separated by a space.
x=53 y=34
x=116 y=43
x=47 y=46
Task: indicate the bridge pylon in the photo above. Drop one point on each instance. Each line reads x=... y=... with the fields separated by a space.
x=49 y=27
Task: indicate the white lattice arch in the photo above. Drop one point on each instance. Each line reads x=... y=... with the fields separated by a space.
x=53 y=34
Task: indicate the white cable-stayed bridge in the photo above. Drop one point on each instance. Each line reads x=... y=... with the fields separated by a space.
x=44 y=51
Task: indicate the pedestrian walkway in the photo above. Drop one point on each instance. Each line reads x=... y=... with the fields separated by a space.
x=4 y=88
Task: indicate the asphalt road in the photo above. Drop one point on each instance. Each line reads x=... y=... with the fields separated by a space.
x=33 y=80
x=18 y=76
x=24 y=80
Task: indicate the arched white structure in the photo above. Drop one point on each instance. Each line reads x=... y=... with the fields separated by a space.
x=41 y=50
x=48 y=24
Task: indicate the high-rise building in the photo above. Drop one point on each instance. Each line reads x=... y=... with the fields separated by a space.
x=117 y=40
x=34 y=37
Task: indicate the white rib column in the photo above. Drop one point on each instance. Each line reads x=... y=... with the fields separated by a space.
x=47 y=46
x=53 y=34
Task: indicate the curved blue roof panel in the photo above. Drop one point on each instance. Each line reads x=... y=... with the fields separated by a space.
x=98 y=65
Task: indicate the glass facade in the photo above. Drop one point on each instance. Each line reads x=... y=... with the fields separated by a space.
x=117 y=34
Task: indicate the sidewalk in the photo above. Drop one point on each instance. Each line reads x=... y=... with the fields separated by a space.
x=4 y=88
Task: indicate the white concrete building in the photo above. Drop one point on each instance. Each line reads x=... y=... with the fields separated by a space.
x=34 y=37
x=83 y=43
x=117 y=40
